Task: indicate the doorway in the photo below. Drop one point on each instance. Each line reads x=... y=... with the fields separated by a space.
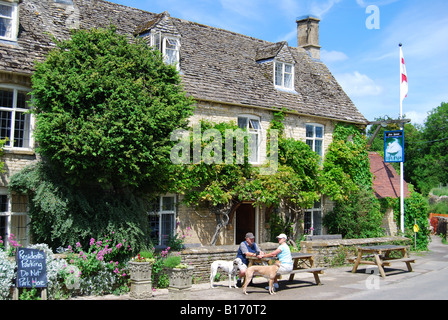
x=244 y=222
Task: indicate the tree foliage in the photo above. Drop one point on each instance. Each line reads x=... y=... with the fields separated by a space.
x=359 y=216
x=105 y=107
x=62 y=213
x=426 y=149
x=346 y=166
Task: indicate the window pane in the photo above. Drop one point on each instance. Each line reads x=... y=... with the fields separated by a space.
x=22 y=100
x=307 y=223
x=309 y=131
x=253 y=148
x=242 y=123
x=278 y=74
x=167 y=224
x=318 y=147
x=3 y=203
x=171 y=44
x=319 y=132
x=154 y=228
x=157 y=41
x=317 y=223
x=5 y=28
x=288 y=68
x=288 y=80
x=310 y=144
x=18 y=228
x=6 y=98
x=21 y=130
x=171 y=51
x=19 y=203
x=254 y=124
x=5 y=11
x=3 y=228
x=168 y=204
x=5 y=125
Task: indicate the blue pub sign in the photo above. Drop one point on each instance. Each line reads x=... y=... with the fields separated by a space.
x=394 y=146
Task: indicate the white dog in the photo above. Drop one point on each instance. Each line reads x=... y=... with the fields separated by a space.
x=230 y=267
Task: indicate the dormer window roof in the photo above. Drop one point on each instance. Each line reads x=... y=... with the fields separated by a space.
x=8 y=21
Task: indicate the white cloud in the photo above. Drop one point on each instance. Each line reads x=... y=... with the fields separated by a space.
x=332 y=56
x=358 y=85
x=364 y=4
x=416 y=117
x=319 y=8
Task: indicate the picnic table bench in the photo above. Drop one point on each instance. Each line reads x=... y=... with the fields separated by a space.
x=299 y=259
x=381 y=257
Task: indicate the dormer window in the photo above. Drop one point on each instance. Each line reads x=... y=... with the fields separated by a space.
x=170 y=48
x=8 y=21
x=171 y=51
x=284 y=75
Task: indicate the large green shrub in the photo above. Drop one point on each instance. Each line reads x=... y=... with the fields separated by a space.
x=415 y=212
x=360 y=216
x=105 y=108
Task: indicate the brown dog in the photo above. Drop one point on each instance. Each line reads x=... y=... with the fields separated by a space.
x=269 y=272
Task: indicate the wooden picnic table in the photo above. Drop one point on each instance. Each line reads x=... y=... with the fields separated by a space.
x=382 y=257
x=299 y=259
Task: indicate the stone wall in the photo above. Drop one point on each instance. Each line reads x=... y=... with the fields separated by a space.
x=201 y=258
x=335 y=252
x=442 y=226
x=327 y=253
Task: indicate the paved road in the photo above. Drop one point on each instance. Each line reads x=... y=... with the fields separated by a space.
x=428 y=281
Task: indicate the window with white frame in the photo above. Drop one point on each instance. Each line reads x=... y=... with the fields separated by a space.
x=284 y=75
x=315 y=137
x=162 y=219
x=313 y=219
x=170 y=48
x=253 y=126
x=14 y=218
x=15 y=118
x=8 y=21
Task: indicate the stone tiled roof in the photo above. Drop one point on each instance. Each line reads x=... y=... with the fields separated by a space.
x=386 y=180
x=216 y=65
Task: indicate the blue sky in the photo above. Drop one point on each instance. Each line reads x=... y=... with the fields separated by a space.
x=365 y=61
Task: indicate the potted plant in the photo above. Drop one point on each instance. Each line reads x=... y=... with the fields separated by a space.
x=180 y=276
x=140 y=268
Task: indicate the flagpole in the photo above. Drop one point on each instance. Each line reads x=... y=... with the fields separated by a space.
x=401 y=163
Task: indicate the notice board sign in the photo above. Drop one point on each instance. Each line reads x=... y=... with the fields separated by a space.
x=31 y=268
x=394 y=146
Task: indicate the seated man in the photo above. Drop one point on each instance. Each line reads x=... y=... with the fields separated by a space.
x=284 y=255
x=248 y=248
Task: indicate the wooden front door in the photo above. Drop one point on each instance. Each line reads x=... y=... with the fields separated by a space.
x=245 y=222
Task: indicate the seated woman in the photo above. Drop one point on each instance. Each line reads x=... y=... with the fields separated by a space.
x=284 y=255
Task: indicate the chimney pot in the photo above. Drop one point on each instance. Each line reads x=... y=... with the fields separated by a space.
x=308 y=35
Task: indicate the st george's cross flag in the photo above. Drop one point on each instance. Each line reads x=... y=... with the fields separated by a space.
x=403 y=77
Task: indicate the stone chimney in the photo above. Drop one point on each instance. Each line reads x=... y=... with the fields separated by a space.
x=308 y=35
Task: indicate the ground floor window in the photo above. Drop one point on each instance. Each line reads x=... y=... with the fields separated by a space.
x=313 y=219
x=14 y=218
x=162 y=219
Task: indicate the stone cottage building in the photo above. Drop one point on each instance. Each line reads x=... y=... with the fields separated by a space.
x=232 y=77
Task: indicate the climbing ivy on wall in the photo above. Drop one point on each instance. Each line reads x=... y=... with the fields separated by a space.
x=346 y=166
